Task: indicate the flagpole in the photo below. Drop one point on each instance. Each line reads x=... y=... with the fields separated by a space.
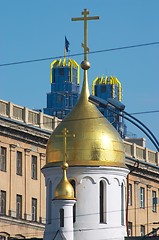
x=65 y=56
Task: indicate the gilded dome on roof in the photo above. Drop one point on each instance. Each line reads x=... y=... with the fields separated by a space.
x=64 y=189
x=96 y=142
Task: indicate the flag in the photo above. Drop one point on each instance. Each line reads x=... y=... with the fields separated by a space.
x=67 y=44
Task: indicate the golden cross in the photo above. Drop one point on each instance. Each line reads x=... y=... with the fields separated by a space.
x=65 y=135
x=85 y=19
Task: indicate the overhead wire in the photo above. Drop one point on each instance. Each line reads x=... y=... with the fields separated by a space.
x=137 y=113
x=79 y=54
x=90 y=214
x=79 y=229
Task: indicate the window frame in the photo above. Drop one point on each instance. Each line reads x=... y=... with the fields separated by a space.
x=2 y=202
x=130 y=229
x=122 y=205
x=102 y=202
x=154 y=201
x=4 y=235
x=34 y=167
x=62 y=216
x=154 y=232
x=142 y=197
x=130 y=194
x=73 y=183
x=3 y=158
x=34 y=209
x=19 y=163
x=142 y=230
x=19 y=206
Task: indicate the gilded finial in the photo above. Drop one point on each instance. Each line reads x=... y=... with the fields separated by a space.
x=85 y=64
x=64 y=189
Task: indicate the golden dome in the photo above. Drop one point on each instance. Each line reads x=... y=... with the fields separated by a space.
x=96 y=142
x=64 y=189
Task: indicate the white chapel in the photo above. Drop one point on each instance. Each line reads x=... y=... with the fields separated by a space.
x=85 y=172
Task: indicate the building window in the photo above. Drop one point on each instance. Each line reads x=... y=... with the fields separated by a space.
x=4 y=235
x=19 y=163
x=130 y=194
x=61 y=71
x=61 y=217
x=130 y=229
x=67 y=101
x=3 y=202
x=142 y=230
x=154 y=231
x=70 y=101
x=122 y=204
x=19 y=206
x=3 y=154
x=102 y=202
x=103 y=88
x=73 y=183
x=154 y=201
x=34 y=167
x=34 y=209
x=59 y=100
x=142 y=197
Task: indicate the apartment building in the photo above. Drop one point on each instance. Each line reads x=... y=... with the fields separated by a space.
x=142 y=189
x=23 y=137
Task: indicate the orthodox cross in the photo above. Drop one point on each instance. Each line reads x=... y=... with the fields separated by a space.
x=85 y=19
x=64 y=135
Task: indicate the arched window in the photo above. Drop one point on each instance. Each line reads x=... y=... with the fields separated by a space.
x=102 y=202
x=4 y=236
x=122 y=204
x=61 y=217
x=73 y=183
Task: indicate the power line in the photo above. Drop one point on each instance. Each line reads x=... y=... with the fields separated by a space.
x=79 y=54
x=86 y=214
x=137 y=113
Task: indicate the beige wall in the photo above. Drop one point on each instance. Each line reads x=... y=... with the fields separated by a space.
x=143 y=216
x=24 y=185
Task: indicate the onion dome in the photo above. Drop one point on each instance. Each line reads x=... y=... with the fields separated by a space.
x=64 y=189
x=96 y=142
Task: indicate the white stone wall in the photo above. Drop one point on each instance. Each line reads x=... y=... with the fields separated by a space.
x=87 y=225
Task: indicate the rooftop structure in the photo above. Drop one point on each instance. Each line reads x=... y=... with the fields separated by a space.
x=107 y=88
x=64 y=79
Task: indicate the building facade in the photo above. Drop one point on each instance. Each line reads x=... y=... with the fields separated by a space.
x=142 y=189
x=23 y=137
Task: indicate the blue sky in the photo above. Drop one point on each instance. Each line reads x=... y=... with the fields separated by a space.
x=36 y=29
